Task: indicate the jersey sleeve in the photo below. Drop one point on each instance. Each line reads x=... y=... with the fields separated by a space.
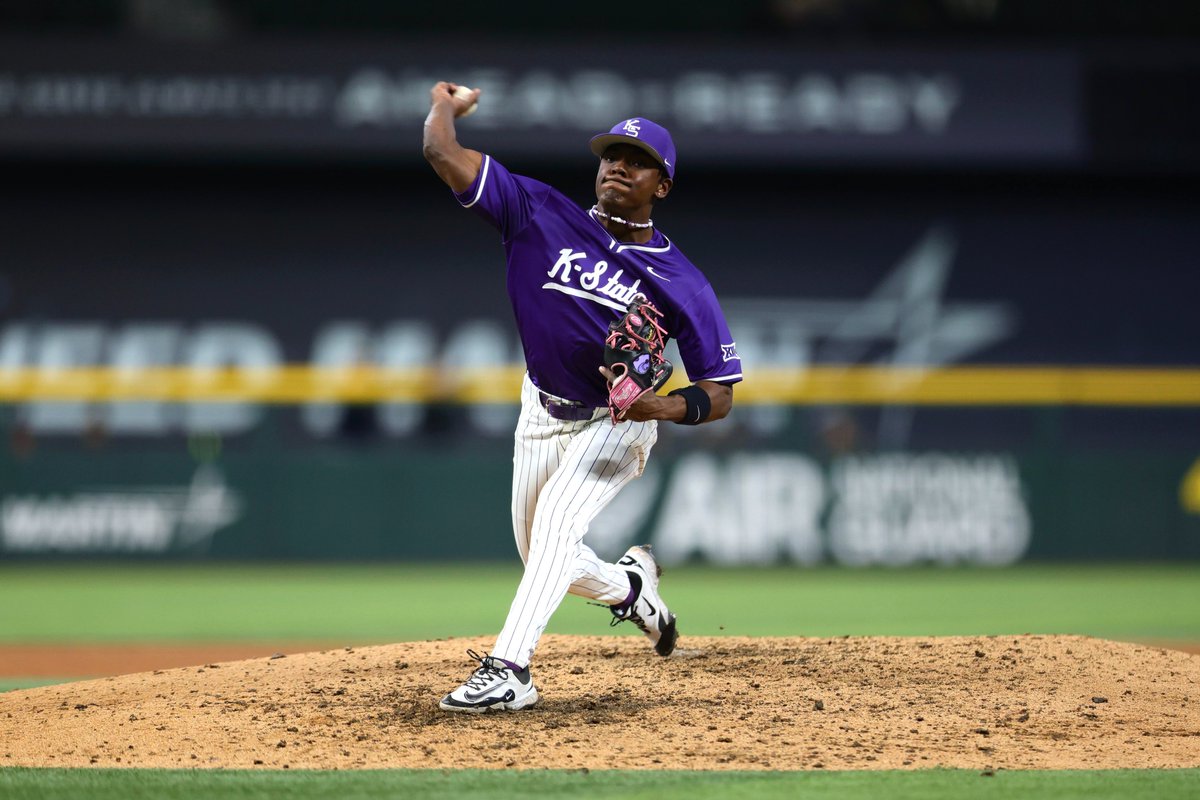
x=705 y=344
x=507 y=202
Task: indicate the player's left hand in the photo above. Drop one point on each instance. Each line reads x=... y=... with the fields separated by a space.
x=647 y=407
x=634 y=365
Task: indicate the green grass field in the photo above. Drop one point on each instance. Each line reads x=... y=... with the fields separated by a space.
x=362 y=604
x=104 y=784
x=375 y=604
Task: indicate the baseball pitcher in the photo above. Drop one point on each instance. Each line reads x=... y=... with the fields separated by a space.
x=596 y=294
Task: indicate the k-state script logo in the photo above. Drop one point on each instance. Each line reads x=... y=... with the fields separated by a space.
x=593 y=283
x=632 y=127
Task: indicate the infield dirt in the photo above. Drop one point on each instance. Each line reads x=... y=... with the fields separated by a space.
x=1005 y=702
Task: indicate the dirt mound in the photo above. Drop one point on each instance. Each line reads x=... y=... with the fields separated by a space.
x=1059 y=702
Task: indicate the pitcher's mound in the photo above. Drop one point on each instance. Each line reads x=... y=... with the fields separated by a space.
x=1013 y=702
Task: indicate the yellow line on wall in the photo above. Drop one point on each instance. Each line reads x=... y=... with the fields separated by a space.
x=819 y=385
x=1115 y=386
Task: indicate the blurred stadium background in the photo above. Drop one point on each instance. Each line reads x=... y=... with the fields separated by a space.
x=240 y=318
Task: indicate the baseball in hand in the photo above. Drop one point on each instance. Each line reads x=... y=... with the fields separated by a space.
x=464 y=93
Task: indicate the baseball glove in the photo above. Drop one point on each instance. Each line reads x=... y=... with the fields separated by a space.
x=633 y=351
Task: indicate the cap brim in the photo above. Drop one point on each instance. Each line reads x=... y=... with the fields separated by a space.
x=605 y=140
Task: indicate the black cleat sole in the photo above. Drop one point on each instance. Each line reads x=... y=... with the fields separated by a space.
x=666 y=643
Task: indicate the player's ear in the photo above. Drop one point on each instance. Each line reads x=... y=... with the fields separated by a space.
x=664 y=186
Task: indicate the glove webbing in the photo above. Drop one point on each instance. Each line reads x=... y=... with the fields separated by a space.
x=624 y=327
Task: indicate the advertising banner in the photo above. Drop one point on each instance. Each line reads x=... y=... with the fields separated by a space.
x=722 y=505
x=765 y=106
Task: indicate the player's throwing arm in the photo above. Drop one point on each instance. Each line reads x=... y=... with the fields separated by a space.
x=453 y=163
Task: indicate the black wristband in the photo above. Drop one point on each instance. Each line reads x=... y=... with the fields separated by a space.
x=699 y=404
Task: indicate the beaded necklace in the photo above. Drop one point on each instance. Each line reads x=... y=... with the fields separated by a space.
x=639 y=225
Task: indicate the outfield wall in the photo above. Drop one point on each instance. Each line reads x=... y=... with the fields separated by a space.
x=728 y=504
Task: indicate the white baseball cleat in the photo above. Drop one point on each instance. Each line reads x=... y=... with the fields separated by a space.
x=494 y=686
x=647 y=611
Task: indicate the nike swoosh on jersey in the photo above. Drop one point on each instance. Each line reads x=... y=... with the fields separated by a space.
x=655 y=274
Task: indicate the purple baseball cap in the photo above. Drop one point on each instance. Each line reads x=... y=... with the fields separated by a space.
x=640 y=132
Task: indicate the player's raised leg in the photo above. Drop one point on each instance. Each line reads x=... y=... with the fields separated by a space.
x=600 y=459
x=540 y=444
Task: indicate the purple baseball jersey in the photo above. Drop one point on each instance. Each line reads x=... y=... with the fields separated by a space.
x=568 y=278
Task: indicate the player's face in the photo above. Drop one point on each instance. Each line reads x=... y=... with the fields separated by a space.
x=629 y=178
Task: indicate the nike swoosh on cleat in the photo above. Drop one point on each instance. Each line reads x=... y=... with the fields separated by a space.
x=483 y=699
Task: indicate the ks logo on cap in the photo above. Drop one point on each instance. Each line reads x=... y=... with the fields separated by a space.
x=640 y=132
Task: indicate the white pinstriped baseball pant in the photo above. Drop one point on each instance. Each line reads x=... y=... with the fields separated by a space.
x=564 y=474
